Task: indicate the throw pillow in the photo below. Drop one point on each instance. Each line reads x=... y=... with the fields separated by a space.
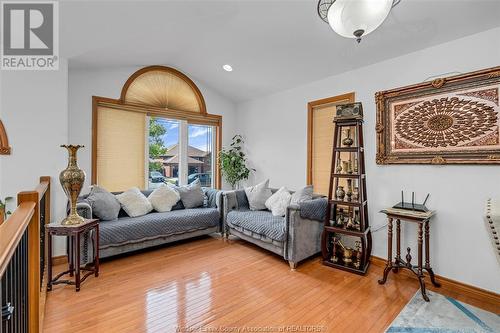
x=305 y=193
x=163 y=198
x=279 y=201
x=192 y=195
x=257 y=195
x=104 y=204
x=134 y=203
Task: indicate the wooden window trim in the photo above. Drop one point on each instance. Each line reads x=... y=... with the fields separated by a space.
x=4 y=141
x=349 y=98
x=201 y=118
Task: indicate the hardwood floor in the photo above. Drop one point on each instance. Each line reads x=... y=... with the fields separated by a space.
x=224 y=286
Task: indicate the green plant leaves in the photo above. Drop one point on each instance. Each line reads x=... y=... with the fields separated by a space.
x=232 y=162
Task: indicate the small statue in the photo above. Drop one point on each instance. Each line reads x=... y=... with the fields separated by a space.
x=334 y=250
x=340 y=218
x=357 y=262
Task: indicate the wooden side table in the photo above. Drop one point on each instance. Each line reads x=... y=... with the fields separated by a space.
x=73 y=232
x=422 y=219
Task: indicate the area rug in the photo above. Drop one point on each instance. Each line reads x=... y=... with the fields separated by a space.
x=443 y=315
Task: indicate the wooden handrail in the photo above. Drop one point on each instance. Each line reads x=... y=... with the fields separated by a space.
x=12 y=231
x=26 y=220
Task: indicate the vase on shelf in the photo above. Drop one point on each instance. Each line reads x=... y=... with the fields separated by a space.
x=72 y=179
x=355 y=167
x=348 y=141
x=355 y=194
x=339 y=166
x=340 y=193
x=349 y=190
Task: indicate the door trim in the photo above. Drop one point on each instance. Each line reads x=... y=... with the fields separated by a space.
x=349 y=98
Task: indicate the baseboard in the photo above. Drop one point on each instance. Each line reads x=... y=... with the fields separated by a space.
x=59 y=260
x=450 y=285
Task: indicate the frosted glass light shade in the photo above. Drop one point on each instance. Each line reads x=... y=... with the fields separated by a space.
x=356 y=18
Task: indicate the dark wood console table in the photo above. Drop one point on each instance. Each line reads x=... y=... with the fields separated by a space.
x=422 y=219
x=73 y=232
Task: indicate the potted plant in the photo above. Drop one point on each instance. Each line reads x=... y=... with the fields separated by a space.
x=233 y=162
x=3 y=213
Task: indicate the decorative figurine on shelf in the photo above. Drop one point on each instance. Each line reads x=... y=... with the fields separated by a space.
x=72 y=179
x=334 y=250
x=340 y=193
x=349 y=190
x=339 y=166
x=345 y=166
x=347 y=254
x=357 y=262
x=357 y=221
x=350 y=223
x=340 y=218
x=348 y=141
x=355 y=194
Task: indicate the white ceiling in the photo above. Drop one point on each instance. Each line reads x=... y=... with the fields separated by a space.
x=272 y=45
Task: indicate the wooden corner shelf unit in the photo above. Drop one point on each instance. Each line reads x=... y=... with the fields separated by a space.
x=346 y=241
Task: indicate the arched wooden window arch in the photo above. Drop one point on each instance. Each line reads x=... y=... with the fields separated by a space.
x=163 y=92
x=4 y=141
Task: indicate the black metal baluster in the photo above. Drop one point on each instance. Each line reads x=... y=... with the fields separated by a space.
x=15 y=299
x=24 y=285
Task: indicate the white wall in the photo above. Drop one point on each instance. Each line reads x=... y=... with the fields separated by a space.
x=34 y=111
x=275 y=128
x=83 y=84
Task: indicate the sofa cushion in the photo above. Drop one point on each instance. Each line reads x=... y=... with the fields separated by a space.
x=104 y=205
x=134 y=203
x=129 y=230
x=258 y=194
x=279 y=201
x=303 y=194
x=163 y=198
x=261 y=222
x=192 y=195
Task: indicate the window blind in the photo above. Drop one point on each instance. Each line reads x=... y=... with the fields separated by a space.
x=121 y=149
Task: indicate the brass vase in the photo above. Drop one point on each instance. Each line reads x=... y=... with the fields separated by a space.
x=72 y=179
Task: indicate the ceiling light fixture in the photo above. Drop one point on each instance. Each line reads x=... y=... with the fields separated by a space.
x=355 y=18
x=227 y=68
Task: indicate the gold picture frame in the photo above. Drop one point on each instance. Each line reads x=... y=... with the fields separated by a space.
x=453 y=120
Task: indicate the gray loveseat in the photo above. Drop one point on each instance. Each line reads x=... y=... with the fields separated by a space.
x=127 y=234
x=295 y=237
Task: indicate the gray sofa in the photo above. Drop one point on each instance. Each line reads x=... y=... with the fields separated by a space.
x=127 y=234
x=295 y=237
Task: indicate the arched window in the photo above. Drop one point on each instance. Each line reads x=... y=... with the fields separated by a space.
x=4 y=141
x=158 y=131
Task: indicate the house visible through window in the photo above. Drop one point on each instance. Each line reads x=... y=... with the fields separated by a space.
x=180 y=153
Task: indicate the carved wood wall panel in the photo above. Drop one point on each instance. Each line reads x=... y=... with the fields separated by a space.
x=451 y=120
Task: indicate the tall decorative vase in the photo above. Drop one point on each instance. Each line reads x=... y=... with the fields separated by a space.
x=72 y=179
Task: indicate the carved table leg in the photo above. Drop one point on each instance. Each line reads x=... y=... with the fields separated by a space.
x=96 y=252
x=70 y=254
x=49 y=261
x=76 y=249
x=419 y=267
x=427 y=259
x=389 y=253
x=395 y=268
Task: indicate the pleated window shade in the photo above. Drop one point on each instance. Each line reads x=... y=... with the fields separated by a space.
x=121 y=149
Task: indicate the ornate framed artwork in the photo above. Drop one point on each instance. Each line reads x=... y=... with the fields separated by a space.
x=453 y=120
